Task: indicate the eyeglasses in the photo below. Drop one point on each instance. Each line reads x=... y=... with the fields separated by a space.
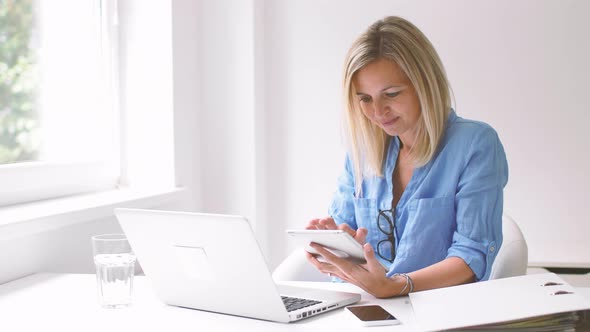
x=386 y=248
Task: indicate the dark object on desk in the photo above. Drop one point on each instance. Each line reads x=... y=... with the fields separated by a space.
x=373 y=315
x=568 y=270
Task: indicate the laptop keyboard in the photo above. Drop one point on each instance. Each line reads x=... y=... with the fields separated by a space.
x=294 y=303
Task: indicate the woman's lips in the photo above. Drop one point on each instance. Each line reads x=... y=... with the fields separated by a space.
x=389 y=122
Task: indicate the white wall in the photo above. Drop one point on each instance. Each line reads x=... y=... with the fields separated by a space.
x=226 y=114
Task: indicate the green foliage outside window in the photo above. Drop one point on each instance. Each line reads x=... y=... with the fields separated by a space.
x=19 y=124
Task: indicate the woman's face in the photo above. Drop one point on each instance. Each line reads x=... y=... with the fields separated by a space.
x=388 y=98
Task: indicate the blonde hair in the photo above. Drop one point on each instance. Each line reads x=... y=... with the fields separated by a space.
x=398 y=40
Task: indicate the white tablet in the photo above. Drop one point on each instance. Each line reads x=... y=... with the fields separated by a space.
x=339 y=242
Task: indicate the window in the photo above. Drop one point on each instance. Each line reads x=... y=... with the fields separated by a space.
x=18 y=120
x=59 y=118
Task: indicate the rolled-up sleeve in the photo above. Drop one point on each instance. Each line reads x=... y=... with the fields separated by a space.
x=342 y=206
x=479 y=204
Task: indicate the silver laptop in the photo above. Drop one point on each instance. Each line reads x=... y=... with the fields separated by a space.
x=213 y=262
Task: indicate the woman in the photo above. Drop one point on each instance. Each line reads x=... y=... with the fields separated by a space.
x=422 y=186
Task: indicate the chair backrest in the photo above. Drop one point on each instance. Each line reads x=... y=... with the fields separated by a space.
x=512 y=259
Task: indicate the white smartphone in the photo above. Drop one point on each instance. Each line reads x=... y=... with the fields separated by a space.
x=338 y=242
x=372 y=315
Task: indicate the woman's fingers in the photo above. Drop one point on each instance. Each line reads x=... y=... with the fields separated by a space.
x=365 y=276
x=323 y=267
x=312 y=224
x=340 y=263
x=372 y=264
x=328 y=223
x=361 y=235
x=323 y=251
x=347 y=229
x=321 y=224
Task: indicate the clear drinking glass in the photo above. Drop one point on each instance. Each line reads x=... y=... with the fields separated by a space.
x=115 y=267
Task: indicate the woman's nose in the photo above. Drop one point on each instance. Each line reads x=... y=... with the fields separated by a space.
x=381 y=108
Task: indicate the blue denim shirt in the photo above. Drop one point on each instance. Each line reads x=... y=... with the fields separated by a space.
x=452 y=206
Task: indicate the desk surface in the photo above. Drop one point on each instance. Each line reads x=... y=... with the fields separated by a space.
x=68 y=302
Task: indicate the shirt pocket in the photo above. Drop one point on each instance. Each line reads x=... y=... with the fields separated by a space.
x=365 y=210
x=430 y=227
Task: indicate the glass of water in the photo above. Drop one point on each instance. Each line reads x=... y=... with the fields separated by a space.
x=115 y=267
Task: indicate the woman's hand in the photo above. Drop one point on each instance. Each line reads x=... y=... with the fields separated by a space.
x=328 y=223
x=370 y=276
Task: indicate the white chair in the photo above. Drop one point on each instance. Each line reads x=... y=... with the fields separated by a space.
x=512 y=259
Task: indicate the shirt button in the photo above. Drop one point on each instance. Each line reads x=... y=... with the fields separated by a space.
x=492 y=248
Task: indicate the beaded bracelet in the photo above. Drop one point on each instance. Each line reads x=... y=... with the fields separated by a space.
x=409 y=283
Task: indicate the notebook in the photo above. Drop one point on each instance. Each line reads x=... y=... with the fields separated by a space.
x=212 y=262
x=535 y=302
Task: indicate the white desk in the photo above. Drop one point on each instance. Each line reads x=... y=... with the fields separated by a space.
x=68 y=302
